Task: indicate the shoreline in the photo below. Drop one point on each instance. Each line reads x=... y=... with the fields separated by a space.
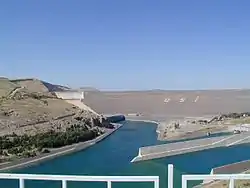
x=27 y=162
x=158 y=123
x=144 y=120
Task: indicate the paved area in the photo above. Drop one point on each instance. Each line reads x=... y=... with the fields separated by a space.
x=166 y=150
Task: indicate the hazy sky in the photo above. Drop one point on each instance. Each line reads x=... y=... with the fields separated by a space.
x=127 y=44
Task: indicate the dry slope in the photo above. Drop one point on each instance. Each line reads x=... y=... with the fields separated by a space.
x=27 y=108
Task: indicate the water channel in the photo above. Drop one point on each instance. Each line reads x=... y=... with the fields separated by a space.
x=112 y=156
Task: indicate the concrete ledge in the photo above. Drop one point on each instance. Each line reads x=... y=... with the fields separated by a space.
x=233 y=168
x=26 y=162
x=166 y=150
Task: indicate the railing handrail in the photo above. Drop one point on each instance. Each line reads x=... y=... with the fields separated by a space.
x=215 y=176
x=64 y=179
x=109 y=179
x=79 y=177
x=230 y=177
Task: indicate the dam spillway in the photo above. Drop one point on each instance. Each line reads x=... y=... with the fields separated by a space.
x=178 y=148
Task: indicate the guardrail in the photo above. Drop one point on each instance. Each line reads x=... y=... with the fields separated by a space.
x=195 y=177
x=65 y=179
x=110 y=179
x=230 y=177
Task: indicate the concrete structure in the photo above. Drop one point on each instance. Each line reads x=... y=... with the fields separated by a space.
x=70 y=95
x=165 y=150
x=230 y=177
x=234 y=168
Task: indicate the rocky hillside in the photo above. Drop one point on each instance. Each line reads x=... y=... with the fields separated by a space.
x=28 y=109
x=36 y=85
x=6 y=86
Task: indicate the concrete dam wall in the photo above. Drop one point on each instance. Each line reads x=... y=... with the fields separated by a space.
x=169 y=103
x=69 y=95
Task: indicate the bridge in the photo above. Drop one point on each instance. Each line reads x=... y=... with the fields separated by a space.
x=64 y=179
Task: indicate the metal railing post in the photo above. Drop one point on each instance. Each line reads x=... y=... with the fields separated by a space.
x=231 y=183
x=109 y=184
x=156 y=184
x=64 y=184
x=170 y=176
x=21 y=183
x=183 y=182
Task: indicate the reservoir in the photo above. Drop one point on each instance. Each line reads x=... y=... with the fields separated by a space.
x=112 y=156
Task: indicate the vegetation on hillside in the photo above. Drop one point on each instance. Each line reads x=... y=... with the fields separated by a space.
x=30 y=146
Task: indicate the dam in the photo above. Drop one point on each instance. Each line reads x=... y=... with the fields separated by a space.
x=160 y=104
x=178 y=148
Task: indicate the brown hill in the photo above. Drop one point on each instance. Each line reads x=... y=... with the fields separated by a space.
x=27 y=105
x=36 y=85
x=6 y=86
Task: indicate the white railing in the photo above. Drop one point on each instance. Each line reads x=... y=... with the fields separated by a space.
x=65 y=179
x=197 y=177
x=110 y=179
x=230 y=177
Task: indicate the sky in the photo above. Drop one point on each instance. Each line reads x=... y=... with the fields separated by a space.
x=127 y=44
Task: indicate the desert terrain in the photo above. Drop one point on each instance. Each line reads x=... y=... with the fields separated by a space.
x=164 y=104
x=33 y=120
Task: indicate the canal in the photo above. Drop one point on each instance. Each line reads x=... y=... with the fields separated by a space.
x=112 y=156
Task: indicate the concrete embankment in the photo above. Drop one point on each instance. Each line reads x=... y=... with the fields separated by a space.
x=234 y=168
x=55 y=152
x=166 y=150
x=116 y=118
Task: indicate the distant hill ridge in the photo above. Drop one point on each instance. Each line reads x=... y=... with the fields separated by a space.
x=37 y=85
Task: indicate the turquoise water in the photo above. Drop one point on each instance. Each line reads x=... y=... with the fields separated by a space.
x=112 y=156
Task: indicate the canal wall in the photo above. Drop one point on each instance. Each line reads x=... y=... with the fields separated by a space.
x=233 y=168
x=26 y=162
x=116 y=118
x=178 y=148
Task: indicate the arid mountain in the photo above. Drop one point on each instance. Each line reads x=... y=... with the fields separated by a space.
x=28 y=105
x=36 y=85
x=33 y=119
